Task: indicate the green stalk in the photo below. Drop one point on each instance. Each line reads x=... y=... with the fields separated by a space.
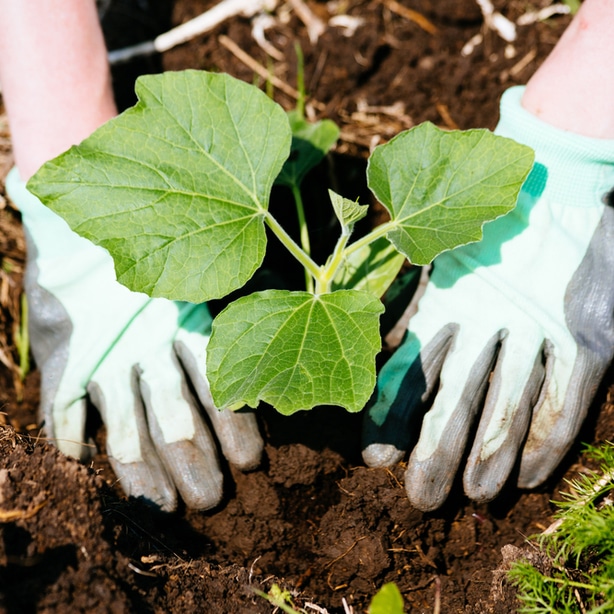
x=334 y=262
x=311 y=267
x=376 y=233
x=304 y=231
x=278 y=602
x=300 y=79
x=23 y=340
x=268 y=86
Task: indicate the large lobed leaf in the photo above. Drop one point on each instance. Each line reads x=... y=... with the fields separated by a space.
x=295 y=350
x=441 y=187
x=176 y=187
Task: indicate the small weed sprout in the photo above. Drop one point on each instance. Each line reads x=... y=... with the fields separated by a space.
x=281 y=599
x=388 y=600
x=579 y=549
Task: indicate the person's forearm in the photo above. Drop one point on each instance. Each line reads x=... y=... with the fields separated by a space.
x=574 y=88
x=54 y=76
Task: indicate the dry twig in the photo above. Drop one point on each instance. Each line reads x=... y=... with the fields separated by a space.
x=411 y=15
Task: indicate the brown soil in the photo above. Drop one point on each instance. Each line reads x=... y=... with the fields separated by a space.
x=312 y=518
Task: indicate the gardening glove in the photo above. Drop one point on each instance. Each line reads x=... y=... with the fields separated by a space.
x=133 y=355
x=517 y=330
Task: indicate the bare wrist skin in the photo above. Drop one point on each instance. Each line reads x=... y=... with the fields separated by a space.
x=574 y=88
x=54 y=75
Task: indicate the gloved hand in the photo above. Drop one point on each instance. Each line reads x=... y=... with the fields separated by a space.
x=133 y=355
x=517 y=330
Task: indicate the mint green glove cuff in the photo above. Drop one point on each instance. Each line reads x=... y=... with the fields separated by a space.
x=577 y=166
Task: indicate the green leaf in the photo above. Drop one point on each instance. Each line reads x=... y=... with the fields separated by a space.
x=176 y=187
x=295 y=350
x=311 y=141
x=388 y=600
x=348 y=211
x=372 y=268
x=441 y=187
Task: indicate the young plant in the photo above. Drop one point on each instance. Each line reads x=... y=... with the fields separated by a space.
x=280 y=599
x=577 y=551
x=388 y=600
x=177 y=190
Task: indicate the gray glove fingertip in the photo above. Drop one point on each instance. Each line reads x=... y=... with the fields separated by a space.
x=146 y=478
x=553 y=428
x=237 y=432
x=194 y=470
x=386 y=443
x=387 y=424
x=192 y=463
x=434 y=462
x=485 y=475
x=428 y=481
x=589 y=308
x=382 y=455
x=50 y=329
x=239 y=436
x=427 y=489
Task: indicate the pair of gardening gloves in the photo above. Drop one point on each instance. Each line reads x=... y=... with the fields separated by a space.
x=511 y=340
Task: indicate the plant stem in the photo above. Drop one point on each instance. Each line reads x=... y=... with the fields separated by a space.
x=277 y=602
x=300 y=79
x=376 y=233
x=304 y=231
x=326 y=277
x=311 y=267
x=23 y=340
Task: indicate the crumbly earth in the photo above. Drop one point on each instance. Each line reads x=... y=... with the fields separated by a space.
x=312 y=518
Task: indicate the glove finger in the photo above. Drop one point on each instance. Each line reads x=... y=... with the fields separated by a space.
x=404 y=385
x=434 y=461
x=65 y=424
x=568 y=390
x=237 y=432
x=131 y=452
x=180 y=436
x=62 y=399
x=577 y=363
x=512 y=393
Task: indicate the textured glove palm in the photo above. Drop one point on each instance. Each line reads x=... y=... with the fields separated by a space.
x=131 y=353
x=517 y=329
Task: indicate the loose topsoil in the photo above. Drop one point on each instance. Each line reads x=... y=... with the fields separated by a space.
x=312 y=518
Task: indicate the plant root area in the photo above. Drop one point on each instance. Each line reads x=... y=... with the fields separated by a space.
x=312 y=519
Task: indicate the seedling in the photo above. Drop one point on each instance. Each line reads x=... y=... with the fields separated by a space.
x=388 y=600
x=177 y=190
x=280 y=599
